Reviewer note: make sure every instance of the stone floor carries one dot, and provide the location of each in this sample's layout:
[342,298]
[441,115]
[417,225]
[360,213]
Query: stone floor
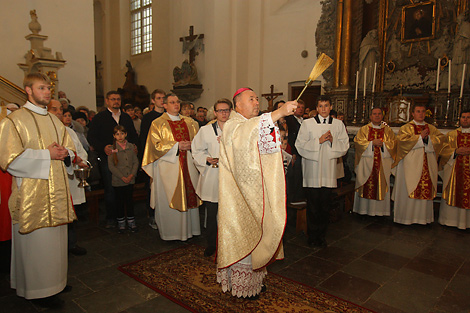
[369,261]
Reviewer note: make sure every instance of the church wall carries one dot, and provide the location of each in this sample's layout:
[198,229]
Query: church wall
[246,43]
[69,26]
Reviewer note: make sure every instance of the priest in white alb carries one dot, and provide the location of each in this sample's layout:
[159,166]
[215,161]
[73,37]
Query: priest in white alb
[168,161]
[415,168]
[252,196]
[38,152]
[375,145]
[455,165]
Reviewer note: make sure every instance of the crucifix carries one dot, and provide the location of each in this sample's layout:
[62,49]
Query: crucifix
[191,44]
[270,97]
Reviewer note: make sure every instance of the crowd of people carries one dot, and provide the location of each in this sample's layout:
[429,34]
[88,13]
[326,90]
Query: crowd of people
[240,165]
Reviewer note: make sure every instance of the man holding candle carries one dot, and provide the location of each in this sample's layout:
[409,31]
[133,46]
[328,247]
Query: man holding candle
[321,141]
[455,163]
[415,168]
[375,145]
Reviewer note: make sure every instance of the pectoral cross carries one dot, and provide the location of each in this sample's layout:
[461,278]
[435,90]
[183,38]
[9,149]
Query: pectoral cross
[270,97]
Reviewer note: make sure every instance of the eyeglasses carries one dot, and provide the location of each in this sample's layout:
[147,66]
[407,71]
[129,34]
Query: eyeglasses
[223,111]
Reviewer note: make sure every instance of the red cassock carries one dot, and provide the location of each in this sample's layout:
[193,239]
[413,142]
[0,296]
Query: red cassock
[5,219]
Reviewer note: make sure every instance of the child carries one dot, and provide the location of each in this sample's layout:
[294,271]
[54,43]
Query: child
[123,164]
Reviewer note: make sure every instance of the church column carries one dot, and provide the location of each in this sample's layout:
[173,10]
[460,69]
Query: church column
[346,43]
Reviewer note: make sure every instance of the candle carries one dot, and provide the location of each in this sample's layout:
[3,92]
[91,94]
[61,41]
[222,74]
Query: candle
[450,75]
[438,72]
[357,84]
[365,81]
[463,80]
[375,73]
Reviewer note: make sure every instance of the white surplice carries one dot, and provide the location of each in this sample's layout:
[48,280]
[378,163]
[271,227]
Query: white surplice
[78,193]
[172,224]
[206,145]
[319,163]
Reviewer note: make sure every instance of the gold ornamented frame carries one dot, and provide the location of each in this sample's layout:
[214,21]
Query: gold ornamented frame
[418,22]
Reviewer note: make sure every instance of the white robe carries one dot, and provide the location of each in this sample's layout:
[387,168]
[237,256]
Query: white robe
[78,193]
[172,224]
[369,206]
[409,211]
[38,259]
[206,145]
[319,163]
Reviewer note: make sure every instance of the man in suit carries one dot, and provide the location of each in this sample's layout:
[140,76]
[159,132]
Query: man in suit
[100,137]
[294,172]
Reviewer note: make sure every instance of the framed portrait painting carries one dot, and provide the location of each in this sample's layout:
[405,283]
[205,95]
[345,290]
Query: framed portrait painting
[418,21]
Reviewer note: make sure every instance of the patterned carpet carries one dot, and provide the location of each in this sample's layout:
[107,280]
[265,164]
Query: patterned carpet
[188,278]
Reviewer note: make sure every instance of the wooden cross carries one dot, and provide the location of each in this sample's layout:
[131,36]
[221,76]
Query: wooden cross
[270,97]
[191,38]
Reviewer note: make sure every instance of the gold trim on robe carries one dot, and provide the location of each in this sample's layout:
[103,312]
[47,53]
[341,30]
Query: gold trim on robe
[160,140]
[407,139]
[37,203]
[377,181]
[456,190]
[252,197]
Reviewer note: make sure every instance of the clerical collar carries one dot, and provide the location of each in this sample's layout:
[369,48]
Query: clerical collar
[375,126]
[174,117]
[465,130]
[419,123]
[35,108]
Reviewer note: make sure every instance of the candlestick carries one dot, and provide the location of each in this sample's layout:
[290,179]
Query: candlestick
[355,111]
[365,80]
[436,101]
[357,84]
[446,121]
[375,73]
[363,119]
[450,75]
[463,80]
[457,124]
[438,72]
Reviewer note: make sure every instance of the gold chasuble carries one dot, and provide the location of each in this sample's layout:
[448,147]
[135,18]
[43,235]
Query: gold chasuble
[252,197]
[37,203]
[376,185]
[424,186]
[456,191]
[163,135]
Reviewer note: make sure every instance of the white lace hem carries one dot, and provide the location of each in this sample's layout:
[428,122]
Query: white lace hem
[241,279]
[269,136]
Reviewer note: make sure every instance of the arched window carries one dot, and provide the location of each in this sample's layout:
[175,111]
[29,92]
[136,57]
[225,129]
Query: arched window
[141,26]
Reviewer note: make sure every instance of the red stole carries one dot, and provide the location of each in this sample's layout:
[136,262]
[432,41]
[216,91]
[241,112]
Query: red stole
[424,189]
[369,190]
[181,133]
[462,169]
[5,219]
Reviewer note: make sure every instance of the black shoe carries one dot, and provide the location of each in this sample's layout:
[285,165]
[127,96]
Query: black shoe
[77,250]
[316,243]
[52,302]
[67,288]
[324,243]
[263,288]
[255,297]
[209,251]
